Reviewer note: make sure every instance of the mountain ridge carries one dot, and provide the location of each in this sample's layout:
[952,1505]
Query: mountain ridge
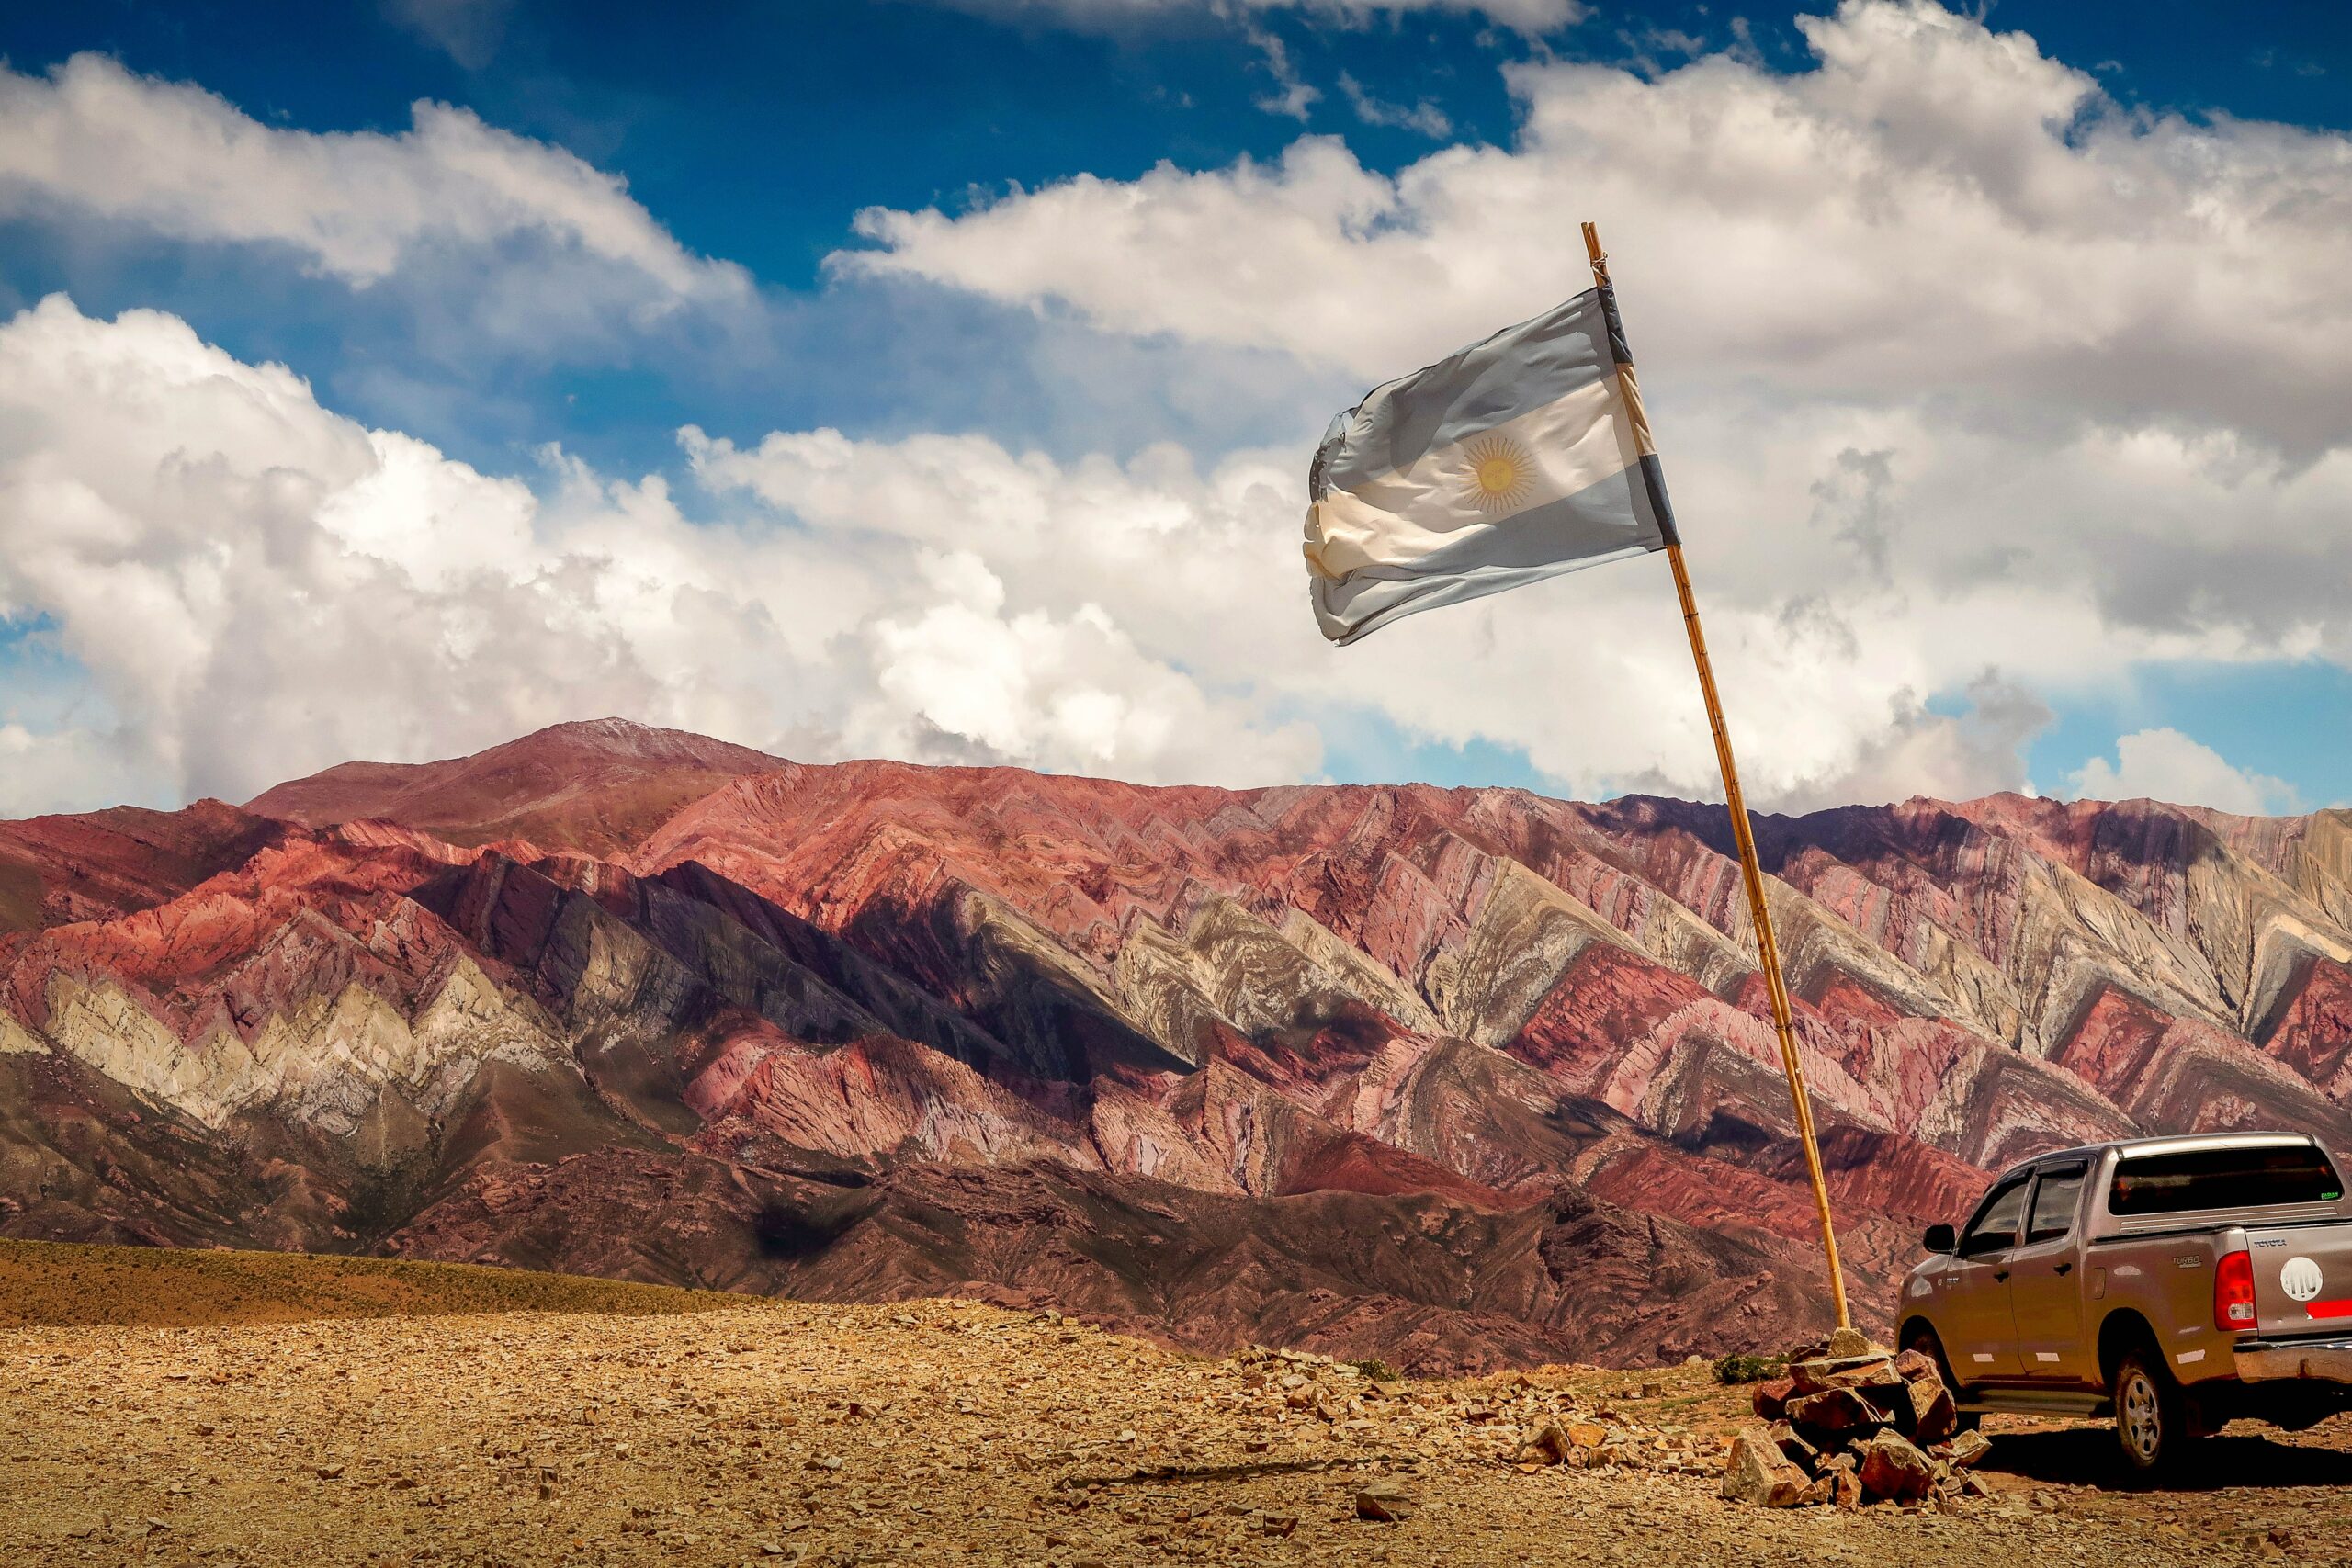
[620,1000]
[615,775]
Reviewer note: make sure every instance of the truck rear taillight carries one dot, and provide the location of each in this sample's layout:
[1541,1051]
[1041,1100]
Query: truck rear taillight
[2234,1292]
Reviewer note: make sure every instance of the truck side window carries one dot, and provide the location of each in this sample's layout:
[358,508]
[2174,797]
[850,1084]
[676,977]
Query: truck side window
[1998,1220]
[2056,1198]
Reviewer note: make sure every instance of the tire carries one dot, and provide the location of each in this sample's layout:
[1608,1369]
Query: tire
[2151,1417]
[1923,1339]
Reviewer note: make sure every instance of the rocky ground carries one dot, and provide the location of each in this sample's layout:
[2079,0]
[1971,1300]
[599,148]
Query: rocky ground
[950,1432]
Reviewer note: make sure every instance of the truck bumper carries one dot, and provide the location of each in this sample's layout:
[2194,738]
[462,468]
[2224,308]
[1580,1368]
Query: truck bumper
[2327,1360]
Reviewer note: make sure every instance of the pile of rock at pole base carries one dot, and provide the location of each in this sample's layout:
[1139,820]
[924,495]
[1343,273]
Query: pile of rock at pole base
[1854,1423]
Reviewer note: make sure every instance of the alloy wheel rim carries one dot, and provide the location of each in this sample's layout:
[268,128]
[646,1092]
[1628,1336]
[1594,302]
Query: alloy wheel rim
[2142,1428]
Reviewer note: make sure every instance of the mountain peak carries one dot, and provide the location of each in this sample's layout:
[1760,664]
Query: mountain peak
[621,731]
[612,736]
[598,785]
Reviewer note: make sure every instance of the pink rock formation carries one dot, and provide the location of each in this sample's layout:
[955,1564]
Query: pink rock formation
[1451,1077]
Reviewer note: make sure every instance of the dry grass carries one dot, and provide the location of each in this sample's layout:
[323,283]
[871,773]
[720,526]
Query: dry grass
[58,1284]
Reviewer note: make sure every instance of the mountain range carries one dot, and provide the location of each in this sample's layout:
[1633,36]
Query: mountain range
[1456,1077]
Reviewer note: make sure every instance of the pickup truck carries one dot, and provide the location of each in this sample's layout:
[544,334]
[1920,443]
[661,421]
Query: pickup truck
[2172,1284]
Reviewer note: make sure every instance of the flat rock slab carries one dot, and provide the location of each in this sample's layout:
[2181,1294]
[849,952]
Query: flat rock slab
[1843,1371]
[1759,1474]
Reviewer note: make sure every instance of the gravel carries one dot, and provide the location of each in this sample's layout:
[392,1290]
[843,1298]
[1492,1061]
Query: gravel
[950,1432]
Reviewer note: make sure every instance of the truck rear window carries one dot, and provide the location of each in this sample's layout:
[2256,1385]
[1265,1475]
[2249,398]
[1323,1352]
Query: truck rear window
[2223,1179]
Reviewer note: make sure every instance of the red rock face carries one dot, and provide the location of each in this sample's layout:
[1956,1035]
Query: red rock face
[59,869]
[597,785]
[1458,1078]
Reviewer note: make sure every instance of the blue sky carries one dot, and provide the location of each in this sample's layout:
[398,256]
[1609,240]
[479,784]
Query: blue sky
[753,136]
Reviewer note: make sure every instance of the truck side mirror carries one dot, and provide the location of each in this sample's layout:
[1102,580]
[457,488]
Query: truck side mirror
[1941,1238]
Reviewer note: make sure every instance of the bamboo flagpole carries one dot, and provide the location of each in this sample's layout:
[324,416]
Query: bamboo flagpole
[1431,491]
[1768,951]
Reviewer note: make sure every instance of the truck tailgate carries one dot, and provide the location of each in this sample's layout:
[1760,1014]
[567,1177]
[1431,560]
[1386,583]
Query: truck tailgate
[2302,1277]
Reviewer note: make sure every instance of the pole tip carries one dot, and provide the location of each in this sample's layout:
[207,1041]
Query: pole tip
[1593,252]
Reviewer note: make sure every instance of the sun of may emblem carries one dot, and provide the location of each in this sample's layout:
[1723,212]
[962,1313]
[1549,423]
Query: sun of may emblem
[1502,473]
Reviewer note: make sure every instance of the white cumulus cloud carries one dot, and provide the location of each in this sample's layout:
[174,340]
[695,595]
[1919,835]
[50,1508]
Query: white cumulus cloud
[1965,377]
[1933,208]
[2164,765]
[256,587]
[90,137]
[1591,675]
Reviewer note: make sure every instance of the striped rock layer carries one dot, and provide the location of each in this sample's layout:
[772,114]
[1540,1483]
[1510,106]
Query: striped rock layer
[1455,1078]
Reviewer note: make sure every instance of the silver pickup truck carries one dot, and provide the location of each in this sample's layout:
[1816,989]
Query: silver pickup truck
[2173,1284]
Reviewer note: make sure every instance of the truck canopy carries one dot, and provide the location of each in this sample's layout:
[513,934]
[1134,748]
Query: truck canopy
[2159,1179]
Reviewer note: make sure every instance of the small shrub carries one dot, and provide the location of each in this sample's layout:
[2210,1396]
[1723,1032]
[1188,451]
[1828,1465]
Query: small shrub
[1748,1369]
[1376,1369]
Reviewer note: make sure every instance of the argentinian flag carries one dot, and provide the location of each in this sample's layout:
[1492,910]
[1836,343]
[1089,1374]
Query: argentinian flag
[1520,458]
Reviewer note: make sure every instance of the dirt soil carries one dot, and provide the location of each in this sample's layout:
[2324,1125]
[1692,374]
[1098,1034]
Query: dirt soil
[462,1425]
[51,1283]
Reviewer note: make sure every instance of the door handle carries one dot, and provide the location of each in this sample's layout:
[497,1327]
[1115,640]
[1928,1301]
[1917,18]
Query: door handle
[2000,1274]
[2064,1268]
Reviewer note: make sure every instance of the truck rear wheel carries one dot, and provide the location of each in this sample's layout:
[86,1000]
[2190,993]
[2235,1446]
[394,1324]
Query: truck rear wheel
[2151,1418]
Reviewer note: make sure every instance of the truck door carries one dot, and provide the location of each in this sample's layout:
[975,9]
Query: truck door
[2045,1281]
[1972,1312]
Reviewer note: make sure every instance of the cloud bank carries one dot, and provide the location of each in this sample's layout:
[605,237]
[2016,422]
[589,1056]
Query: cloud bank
[92,140]
[1960,370]
[259,587]
[1934,209]
[1971,387]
